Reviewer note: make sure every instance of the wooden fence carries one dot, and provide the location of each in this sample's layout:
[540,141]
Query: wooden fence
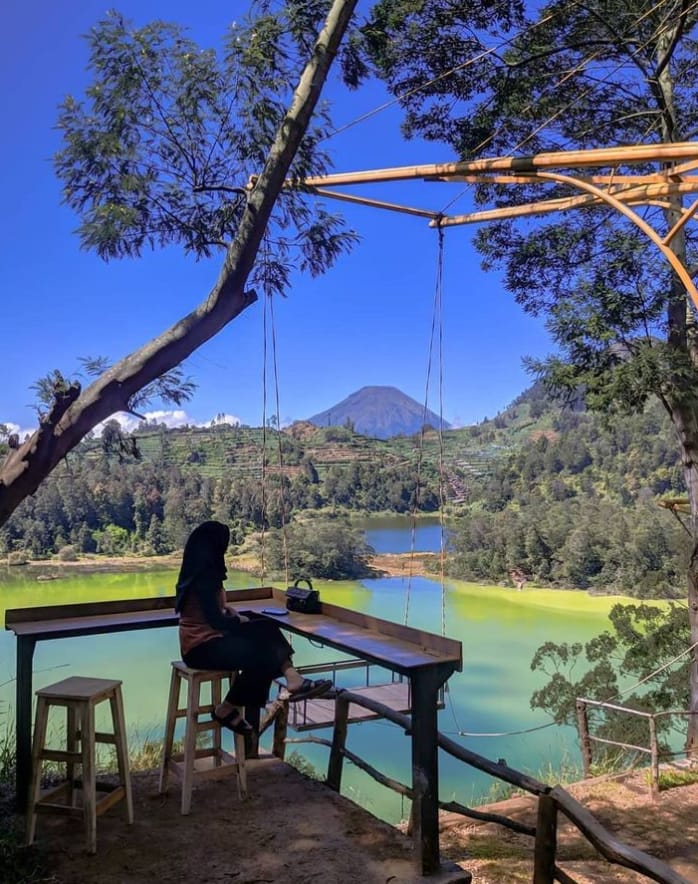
[587,739]
[552,800]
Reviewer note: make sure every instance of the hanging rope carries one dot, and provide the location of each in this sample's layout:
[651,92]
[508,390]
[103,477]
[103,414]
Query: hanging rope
[264,434]
[436,323]
[269,332]
[438,307]
[282,490]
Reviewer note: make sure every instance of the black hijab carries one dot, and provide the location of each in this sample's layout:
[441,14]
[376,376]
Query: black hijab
[203,561]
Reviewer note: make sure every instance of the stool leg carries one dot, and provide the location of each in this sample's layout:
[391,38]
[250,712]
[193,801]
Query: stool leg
[40,725]
[89,774]
[71,746]
[240,760]
[171,720]
[216,732]
[119,721]
[190,733]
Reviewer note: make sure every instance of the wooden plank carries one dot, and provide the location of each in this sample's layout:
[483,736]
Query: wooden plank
[403,647]
[81,610]
[320,711]
[399,648]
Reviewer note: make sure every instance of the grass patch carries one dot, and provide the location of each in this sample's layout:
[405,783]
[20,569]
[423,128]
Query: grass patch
[672,779]
[295,759]
[18,864]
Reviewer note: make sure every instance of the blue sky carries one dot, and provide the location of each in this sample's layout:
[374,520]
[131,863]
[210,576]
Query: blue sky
[367,322]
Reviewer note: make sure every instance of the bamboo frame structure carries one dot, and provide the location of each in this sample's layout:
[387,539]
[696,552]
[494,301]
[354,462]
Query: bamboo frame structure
[619,189]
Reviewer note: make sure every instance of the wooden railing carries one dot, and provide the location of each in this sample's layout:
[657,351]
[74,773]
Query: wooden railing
[552,800]
[586,738]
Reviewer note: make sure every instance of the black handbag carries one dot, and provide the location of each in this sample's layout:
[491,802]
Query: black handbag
[303,601]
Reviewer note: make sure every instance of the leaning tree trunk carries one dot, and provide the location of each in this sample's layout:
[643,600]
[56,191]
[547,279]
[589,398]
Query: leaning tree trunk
[75,413]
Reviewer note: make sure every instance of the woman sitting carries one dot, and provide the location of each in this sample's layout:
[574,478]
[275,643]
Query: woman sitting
[212,635]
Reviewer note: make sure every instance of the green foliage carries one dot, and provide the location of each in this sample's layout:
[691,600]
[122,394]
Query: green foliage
[672,779]
[162,147]
[575,505]
[320,548]
[302,765]
[555,77]
[642,639]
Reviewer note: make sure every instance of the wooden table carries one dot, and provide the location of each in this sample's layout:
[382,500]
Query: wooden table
[425,658]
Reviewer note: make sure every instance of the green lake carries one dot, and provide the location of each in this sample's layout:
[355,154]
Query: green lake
[489,701]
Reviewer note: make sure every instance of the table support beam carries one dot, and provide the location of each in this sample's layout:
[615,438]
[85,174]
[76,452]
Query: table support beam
[23,694]
[425,766]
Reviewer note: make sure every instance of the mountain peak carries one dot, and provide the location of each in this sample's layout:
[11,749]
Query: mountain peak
[380,412]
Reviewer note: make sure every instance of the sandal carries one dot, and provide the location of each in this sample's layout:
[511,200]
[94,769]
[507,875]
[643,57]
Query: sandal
[310,689]
[234,722]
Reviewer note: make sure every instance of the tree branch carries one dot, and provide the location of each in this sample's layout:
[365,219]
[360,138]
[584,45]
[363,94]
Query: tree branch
[28,465]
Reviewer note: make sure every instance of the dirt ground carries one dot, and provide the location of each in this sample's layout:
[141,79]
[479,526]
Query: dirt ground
[666,828]
[294,830]
[288,829]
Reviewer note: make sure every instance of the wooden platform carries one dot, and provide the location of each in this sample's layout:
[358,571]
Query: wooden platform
[319,712]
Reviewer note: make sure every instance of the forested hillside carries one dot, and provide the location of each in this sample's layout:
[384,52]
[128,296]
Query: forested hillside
[562,496]
[575,503]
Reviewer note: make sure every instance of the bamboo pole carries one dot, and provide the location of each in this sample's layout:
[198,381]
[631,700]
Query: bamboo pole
[602,156]
[374,204]
[639,222]
[641,195]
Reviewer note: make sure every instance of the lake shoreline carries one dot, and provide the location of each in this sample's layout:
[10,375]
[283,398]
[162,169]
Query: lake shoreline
[384,565]
[403,565]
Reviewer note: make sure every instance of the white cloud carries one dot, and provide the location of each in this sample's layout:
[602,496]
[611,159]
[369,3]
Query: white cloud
[176,418]
[129,422]
[22,432]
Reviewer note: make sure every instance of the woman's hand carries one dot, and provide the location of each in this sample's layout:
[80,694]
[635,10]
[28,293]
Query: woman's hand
[230,611]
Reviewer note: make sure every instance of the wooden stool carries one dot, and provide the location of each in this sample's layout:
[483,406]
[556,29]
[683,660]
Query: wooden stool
[79,696]
[193,765]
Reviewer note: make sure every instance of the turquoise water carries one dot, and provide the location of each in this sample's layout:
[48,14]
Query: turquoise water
[500,630]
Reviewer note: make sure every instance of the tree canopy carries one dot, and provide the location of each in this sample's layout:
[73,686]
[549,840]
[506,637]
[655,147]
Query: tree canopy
[159,153]
[518,79]
[161,149]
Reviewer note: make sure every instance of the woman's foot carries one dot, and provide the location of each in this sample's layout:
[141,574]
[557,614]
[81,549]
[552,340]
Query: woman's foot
[234,722]
[308,689]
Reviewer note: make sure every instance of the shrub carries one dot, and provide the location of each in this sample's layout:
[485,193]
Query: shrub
[68,553]
[19,557]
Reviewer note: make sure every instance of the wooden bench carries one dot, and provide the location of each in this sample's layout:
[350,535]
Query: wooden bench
[425,658]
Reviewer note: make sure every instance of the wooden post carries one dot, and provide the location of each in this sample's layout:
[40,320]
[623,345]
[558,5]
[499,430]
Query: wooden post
[546,841]
[23,735]
[425,769]
[252,714]
[654,759]
[584,739]
[280,730]
[339,739]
